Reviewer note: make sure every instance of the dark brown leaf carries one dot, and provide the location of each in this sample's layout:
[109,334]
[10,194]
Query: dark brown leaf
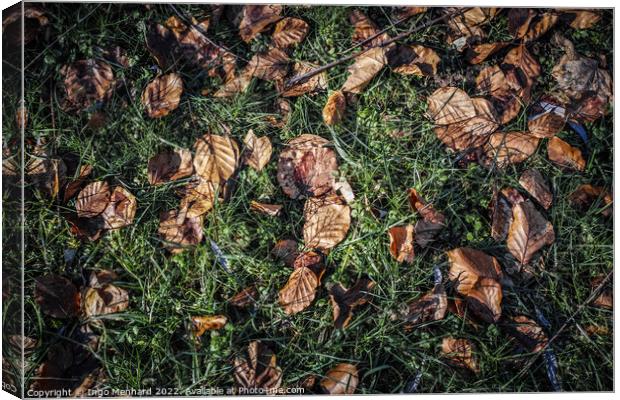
[413,60]
[93,199]
[401,243]
[257,18]
[585,196]
[87,82]
[535,184]
[169,166]
[501,211]
[179,231]
[432,306]
[364,29]
[258,369]
[460,353]
[289,32]
[341,379]
[286,250]
[57,296]
[344,301]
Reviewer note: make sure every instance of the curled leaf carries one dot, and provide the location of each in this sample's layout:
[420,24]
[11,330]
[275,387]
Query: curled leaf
[341,379]
[169,166]
[75,185]
[47,174]
[501,211]
[480,52]
[528,233]
[179,231]
[334,109]
[162,95]
[484,300]
[121,209]
[460,353]
[565,155]
[258,369]
[344,301]
[87,82]
[401,243]
[199,198]
[268,209]
[203,323]
[521,70]
[327,222]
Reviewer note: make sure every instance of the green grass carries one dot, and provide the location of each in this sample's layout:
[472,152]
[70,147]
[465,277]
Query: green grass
[148,345]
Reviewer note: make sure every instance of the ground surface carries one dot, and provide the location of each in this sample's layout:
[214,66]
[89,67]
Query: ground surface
[147,345]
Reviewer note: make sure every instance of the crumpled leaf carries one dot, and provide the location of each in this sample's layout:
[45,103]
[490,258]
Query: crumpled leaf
[203,323]
[586,195]
[341,379]
[533,181]
[460,353]
[93,199]
[432,220]
[334,109]
[527,332]
[327,221]
[289,32]
[363,29]
[501,211]
[121,209]
[540,25]
[504,148]
[310,85]
[565,155]
[344,301]
[215,157]
[257,18]
[258,369]
[258,150]
[169,165]
[57,296]
[269,65]
[480,52]
[450,105]
[75,185]
[521,71]
[306,167]
[179,231]
[299,291]
[104,299]
[528,233]
[268,209]
[401,243]
[413,60]
[87,82]
[546,125]
[162,95]
[366,66]
[473,132]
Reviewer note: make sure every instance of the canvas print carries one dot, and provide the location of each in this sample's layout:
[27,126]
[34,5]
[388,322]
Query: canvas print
[233,199]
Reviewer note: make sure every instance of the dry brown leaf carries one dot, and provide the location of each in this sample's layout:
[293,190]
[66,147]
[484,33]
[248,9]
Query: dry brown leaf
[541,25]
[366,66]
[215,157]
[492,81]
[257,18]
[468,265]
[364,29]
[268,209]
[47,174]
[299,291]
[527,332]
[535,184]
[528,233]
[401,243]
[450,105]
[235,85]
[311,85]
[162,95]
[22,23]
[341,379]
[521,70]
[169,166]
[432,306]
[484,300]
[480,52]
[504,148]
[244,298]
[108,299]
[460,353]
[258,150]
[519,21]
[179,231]
[21,118]
[413,60]
[586,195]
[199,197]
[121,209]
[327,221]
[473,132]
[289,32]
[582,19]
[93,199]
[282,109]
[501,211]
[87,82]
[286,251]
[344,300]
[401,13]
[203,323]
[605,299]
[307,167]
[432,223]
[334,109]
[546,125]
[565,155]
[269,65]
[57,296]
[75,185]
[258,369]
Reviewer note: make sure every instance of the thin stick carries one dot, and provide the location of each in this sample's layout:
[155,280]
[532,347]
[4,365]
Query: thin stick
[310,74]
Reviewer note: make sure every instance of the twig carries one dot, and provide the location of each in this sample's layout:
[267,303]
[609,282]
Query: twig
[310,74]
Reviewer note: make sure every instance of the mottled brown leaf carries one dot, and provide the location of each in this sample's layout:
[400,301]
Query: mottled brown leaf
[528,233]
[521,70]
[460,353]
[245,297]
[401,243]
[257,18]
[289,32]
[413,60]
[327,221]
[75,185]
[199,197]
[169,165]
[480,52]
[269,65]
[472,132]
[501,211]
[363,29]
[432,306]
[108,299]
[504,148]
[93,199]
[540,25]
[310,85]
[450,105]
[546,125]
[527,332]
[258,150]
[582,19]
[121,209]
[258,369]
[344,300]
[286,250]
[533,181]
[179,231]
[162,95]
[366,66]
[264,208]
[87,82]
[587,195]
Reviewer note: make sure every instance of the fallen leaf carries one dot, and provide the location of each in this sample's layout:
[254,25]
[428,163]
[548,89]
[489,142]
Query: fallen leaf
[299,291]
[269,65]
[344,301]
[46,173]
[179,231]
[235,85]
[473,132]
[341,379]
[366,66]
[85,228]
[57,296]
[93,199]
[480,52]
[540,25]
[468,265]
[327,222]
[413,60]
[21,24]
[257,18]
[162,95]
[203,323]
[533,181]
[169,165]
[546,125]
[21,118]
[244,298]
[528,233]
[75,185]
[492,81]
[504,148]
[586,195]
[432,306]
[450,105]
[334,109]
[258,369]
[605,299]
[121,209]
[310,85]
[258,150]
[484,300]
[87,82]
[565,155]
[401,243]
[401,13]
[282,110]
[527,332]
[215,157]
[109,299]
[306,167]
[460,353]
[581,19]
[363,29]
[521,70]
[286,250]
[289,32]
[519,21]
[199,198]
[501,211]
[272,210]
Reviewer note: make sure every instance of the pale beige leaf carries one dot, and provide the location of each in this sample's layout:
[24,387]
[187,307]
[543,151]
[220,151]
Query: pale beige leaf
[504,148]
[327,222]
[258,150]
[216,157]
[449,105]
[366,66]
[529,232]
